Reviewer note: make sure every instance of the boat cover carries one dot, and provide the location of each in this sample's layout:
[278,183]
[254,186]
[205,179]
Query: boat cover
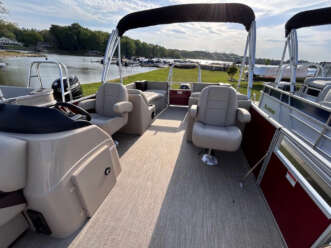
[309,18]
[218,12]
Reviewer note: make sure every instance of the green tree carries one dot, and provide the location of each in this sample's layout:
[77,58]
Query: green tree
[232,70]
[31,37]
[8,30]
[128,47]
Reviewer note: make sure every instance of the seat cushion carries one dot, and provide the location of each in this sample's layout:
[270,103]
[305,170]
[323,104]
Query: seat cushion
[216,137]
[195,94]
[152,95]
[160,92]
[109,124]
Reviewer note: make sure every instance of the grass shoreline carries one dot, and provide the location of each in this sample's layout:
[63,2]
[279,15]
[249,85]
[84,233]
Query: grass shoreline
[8,54]
[181,75]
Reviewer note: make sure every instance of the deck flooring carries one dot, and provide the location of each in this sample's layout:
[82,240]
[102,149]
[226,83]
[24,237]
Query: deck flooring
[165,197]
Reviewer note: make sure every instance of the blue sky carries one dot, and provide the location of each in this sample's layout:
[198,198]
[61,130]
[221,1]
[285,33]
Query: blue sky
[314,43]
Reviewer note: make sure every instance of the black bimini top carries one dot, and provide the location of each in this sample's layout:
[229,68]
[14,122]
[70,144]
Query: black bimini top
[309,18]
[219,12]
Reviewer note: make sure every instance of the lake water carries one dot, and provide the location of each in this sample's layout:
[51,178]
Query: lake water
[87,69]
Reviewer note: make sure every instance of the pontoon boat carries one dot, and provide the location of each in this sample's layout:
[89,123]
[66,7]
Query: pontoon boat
[64,183]
[305,110]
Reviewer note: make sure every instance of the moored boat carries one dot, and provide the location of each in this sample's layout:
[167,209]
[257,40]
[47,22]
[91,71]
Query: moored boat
[304,109]
[154,189]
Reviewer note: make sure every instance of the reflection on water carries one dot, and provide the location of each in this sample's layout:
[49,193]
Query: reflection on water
[88,70]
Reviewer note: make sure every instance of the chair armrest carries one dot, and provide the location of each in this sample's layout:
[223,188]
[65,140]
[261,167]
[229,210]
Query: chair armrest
[123,107]
[87,104]
[194,111]
[243,115]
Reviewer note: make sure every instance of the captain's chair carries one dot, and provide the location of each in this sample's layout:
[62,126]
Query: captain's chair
[111,107]
[215,121]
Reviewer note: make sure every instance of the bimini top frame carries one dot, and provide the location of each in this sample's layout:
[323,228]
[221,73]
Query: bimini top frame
[303,19]
[222,12]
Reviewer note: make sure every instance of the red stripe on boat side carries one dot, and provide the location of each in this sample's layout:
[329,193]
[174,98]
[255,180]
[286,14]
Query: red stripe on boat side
[299,218]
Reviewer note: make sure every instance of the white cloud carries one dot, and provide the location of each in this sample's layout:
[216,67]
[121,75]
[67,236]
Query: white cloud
[104,14]
[106,10]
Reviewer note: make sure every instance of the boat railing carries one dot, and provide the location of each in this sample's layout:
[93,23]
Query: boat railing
[294,179]
[311,170]
[63,73]
[171,73]
[308,120]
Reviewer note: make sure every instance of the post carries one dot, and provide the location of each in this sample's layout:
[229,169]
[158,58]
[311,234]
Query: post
[61,83]
[243,62]
[120,60]
[252,46]
[293,58]
[280,70]
[170,74]
[199,73]
[111,47]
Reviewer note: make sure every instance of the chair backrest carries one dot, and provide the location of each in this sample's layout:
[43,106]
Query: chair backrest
[136,92]
[108,94]
[197,87]
[151,85]
[218,106]
[324,94]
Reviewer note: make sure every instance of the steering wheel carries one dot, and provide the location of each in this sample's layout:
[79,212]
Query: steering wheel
[71,109]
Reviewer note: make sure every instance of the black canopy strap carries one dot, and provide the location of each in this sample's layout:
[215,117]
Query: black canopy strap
[309,18]
[219,12]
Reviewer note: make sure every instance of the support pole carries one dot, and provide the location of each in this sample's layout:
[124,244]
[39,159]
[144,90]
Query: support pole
[199,73]
[243,62]
[111,47]
[170,74]
[280,69]
[120,60]
[252,46]
[293,58]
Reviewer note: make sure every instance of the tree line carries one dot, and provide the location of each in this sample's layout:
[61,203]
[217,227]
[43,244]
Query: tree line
[77,39]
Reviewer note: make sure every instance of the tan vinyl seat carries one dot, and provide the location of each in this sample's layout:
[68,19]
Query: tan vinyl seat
[215,119]
[13,173]
[142,114]
[111,107]
[152,96]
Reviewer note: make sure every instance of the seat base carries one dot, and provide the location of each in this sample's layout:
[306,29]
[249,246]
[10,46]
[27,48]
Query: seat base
[209,160]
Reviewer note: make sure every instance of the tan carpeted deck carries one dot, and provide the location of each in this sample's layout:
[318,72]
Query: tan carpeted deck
[165,197]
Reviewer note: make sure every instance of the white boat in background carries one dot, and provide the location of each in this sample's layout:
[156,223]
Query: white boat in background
[304,109]
[271,71]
